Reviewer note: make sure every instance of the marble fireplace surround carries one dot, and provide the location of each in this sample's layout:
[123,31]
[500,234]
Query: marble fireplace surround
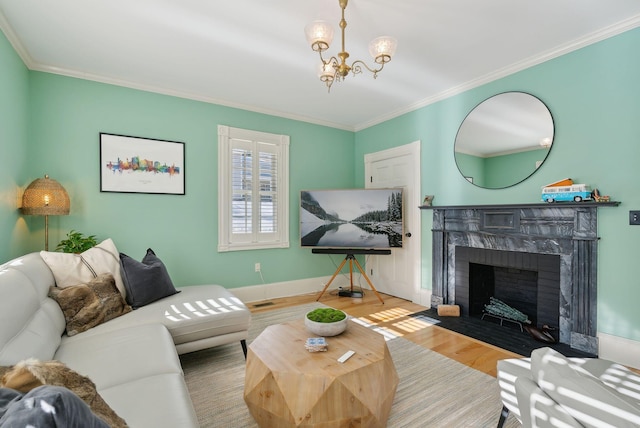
[568,230]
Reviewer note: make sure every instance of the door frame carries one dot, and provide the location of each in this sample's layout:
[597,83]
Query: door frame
[410,207]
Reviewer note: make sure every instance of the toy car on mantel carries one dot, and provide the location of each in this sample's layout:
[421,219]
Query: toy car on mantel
[573,192]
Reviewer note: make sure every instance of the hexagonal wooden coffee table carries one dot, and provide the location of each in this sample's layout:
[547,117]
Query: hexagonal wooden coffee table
[288,386]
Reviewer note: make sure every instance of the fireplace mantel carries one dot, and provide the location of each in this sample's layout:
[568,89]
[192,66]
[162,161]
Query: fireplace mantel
[565,229]
[586,204]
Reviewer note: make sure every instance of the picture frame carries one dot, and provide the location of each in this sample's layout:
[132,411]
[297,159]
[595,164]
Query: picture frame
[141,165]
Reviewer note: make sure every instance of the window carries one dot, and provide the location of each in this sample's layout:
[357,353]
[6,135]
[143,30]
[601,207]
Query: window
[253,189]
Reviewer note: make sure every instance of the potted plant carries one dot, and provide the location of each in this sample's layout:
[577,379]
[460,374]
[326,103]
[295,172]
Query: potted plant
[326,321]
[76,243]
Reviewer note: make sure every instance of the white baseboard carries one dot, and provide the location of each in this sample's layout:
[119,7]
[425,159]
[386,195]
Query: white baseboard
[424,298]
[254,293]
[618,349]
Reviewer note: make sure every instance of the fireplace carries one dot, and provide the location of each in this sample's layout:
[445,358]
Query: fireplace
[543,256]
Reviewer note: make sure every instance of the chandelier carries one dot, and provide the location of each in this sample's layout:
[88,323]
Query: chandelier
[320,34]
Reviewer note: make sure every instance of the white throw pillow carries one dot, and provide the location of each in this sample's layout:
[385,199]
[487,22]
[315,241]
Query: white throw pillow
[73,269]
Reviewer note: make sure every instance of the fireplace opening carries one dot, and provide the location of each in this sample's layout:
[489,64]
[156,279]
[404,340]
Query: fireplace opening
[528,282]
[517,288]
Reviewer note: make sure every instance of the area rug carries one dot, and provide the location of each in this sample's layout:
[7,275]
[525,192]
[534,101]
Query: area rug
[434,391]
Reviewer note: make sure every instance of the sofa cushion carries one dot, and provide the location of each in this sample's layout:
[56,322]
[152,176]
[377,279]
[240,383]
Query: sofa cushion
[118,356]
[169,405]
[199,317]
[72,269]
[88,305]
[31,323]
[582,395]
[145,281]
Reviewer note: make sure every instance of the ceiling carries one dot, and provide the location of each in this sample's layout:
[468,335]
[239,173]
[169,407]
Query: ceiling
[253,54]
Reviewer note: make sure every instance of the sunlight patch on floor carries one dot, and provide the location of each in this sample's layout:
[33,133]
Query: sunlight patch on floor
[398,328]
[411,325]
[390,314]
[383,316]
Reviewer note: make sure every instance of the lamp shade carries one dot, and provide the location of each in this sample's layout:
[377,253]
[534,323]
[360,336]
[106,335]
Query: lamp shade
[383,48]
[45,196]
[326,72]
[319,35]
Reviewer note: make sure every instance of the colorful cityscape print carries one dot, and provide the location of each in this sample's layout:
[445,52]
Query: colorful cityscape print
[143,165]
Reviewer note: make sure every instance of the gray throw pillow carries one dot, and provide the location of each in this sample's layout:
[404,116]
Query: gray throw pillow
[145,281]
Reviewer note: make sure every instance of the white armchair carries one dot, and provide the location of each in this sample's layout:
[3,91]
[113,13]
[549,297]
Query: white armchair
[551,390]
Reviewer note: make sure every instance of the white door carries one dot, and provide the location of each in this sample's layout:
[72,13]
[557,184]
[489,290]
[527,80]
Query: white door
[399,273]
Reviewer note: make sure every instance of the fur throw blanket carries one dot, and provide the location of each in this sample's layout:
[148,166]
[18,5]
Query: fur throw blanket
[31,373]
[88,305]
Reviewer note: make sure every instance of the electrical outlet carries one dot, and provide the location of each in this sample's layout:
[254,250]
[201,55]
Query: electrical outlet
[258,267]
[634,218]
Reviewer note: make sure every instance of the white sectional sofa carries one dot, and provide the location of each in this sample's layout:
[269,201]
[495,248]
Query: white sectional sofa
[132,359]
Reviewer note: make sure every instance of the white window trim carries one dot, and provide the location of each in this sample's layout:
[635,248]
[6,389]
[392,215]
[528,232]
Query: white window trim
[281,239]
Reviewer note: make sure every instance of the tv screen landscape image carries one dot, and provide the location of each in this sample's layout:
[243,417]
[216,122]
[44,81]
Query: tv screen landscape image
[351,218]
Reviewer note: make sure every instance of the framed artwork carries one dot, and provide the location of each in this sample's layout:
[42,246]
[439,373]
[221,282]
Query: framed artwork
[141,165]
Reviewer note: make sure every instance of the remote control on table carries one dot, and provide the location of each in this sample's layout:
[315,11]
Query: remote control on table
[346,356]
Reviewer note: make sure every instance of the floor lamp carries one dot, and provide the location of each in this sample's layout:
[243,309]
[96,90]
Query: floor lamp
[45,196]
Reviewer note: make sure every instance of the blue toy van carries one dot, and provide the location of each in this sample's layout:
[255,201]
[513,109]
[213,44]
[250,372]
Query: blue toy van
[574,192]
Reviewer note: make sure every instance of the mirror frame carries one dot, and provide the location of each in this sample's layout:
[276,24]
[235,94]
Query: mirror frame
[542,109]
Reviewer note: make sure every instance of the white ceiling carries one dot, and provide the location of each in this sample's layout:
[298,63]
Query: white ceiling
[253,54]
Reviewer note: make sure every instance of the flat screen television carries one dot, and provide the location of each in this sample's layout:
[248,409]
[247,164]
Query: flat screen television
[351,218]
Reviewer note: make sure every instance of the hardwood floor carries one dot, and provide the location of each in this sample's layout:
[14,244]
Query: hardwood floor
[392,316]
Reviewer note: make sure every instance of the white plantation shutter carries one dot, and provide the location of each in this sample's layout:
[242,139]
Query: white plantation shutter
[252,189]
[268,170]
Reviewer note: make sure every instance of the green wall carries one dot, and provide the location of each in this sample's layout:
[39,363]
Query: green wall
[14,93]
[68,114]
[594,97]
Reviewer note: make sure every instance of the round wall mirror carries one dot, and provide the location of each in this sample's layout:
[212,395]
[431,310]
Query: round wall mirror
[504,140]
